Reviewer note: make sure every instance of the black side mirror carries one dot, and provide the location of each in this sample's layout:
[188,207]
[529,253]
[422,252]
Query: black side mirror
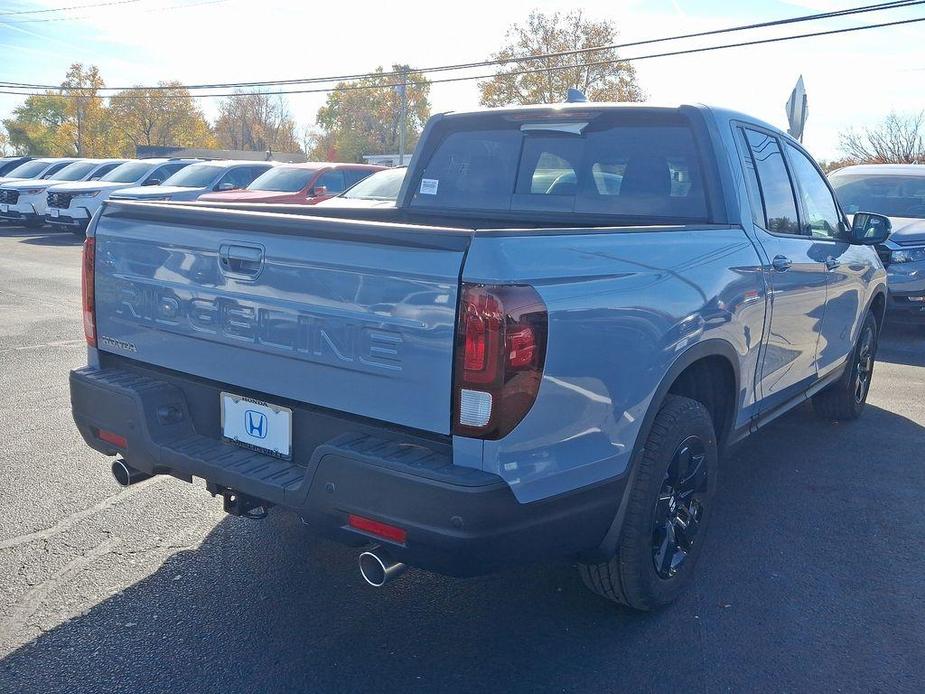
[869,229]
[153,182]
[318,191]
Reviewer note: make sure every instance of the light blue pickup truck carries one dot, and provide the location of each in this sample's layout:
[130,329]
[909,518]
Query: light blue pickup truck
[540,352]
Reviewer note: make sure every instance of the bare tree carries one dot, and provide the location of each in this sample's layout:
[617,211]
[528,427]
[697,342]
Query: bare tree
[256,121]
[899,139]
[598,72]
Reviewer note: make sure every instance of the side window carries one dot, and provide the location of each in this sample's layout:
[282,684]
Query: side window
[332,180]
[256,171]
[822,216]
[161,173]
[239,177]
[356,175]
[54,168]
[779,203]
[751,181]
[169,170]
[103,170]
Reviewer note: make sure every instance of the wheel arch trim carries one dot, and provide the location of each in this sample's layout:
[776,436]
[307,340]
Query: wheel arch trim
[706,348]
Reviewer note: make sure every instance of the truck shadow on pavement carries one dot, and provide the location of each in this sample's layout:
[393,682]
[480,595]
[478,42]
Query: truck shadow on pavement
[807,580]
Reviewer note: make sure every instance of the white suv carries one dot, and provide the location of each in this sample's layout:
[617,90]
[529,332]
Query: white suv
[72,205]
[23,201]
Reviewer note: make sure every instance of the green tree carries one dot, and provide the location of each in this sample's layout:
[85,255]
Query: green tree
[37,126]
[363,116]
[160,117]
[598,73]
[88,124]
[256,121]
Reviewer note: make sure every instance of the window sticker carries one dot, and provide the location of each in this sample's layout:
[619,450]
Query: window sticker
[429,186]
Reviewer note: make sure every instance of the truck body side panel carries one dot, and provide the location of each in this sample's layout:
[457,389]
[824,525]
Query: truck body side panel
[623,306]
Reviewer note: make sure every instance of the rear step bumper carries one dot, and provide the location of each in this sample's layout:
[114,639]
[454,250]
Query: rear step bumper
[459,521]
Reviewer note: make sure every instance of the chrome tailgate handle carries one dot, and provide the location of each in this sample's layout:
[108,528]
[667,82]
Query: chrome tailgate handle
[240,261]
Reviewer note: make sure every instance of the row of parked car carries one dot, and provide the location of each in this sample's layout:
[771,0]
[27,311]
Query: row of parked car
[65,192]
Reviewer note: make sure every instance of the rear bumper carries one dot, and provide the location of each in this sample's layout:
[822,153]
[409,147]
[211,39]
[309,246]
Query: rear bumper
[459,521]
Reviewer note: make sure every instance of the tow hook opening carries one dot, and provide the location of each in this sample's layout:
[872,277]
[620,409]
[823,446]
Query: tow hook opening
[238,504]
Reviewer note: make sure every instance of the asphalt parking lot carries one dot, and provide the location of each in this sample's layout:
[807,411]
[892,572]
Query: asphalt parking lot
[813,577]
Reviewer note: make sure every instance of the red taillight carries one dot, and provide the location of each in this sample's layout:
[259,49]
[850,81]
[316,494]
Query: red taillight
[481,327]
[387,532]
[113,438]
[87,279]
[500,353]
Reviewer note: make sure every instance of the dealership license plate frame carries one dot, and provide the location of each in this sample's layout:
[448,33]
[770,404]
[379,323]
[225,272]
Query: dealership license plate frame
[234,411]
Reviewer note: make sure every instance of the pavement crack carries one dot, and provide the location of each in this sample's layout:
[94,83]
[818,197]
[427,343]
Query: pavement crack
[70,521]
[19,616]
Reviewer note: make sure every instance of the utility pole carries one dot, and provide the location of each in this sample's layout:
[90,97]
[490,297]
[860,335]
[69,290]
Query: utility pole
[402,114]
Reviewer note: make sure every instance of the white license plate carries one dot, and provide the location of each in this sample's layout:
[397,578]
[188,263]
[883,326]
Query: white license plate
[4,208]
[54,212]
[258,425]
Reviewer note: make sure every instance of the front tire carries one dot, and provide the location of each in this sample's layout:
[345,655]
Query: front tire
[667,511]
[845,399]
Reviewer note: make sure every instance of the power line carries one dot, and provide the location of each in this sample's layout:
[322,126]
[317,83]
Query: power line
[896,4]
[123,2]
[688,51]
[68,9]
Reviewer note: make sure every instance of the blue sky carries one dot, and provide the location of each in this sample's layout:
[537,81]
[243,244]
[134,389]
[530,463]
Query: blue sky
[852,79]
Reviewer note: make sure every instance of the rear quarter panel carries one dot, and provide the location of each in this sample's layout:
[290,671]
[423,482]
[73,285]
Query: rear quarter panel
[623,305]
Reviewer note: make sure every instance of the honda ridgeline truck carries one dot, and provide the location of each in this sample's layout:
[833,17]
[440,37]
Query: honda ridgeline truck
[539,352]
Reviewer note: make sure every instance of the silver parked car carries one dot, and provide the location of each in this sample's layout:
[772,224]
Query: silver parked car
[897,191]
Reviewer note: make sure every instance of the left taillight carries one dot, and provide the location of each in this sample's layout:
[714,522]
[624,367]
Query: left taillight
[500,355]
[87,284]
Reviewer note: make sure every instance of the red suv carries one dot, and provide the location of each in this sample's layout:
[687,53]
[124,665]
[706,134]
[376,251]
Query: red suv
[298,184]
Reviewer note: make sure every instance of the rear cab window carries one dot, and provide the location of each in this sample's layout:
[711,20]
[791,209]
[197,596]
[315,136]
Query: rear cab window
[640,166]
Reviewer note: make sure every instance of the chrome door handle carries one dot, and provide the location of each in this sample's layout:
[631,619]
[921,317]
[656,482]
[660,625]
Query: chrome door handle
[831,263]
[781,263]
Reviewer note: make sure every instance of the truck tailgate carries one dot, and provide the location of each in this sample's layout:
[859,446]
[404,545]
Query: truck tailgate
[354,316]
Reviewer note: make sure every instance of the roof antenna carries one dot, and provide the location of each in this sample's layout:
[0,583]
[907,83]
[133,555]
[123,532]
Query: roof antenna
[575,96]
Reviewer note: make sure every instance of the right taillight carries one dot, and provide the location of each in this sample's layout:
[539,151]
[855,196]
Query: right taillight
[87,279]
[500,353]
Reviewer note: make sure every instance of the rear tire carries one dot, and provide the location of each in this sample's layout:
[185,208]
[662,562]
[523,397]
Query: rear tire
[845,399]
[667,512]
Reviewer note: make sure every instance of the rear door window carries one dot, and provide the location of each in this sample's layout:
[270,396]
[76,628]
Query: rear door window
[764,161]
[600,167]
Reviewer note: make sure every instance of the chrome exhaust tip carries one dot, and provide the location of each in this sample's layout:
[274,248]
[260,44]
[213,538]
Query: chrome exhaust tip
[126,475]
[378,568]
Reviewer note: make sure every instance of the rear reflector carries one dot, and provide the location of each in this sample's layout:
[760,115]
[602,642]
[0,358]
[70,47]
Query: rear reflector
[87,279]
[113,438]
[383,530]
